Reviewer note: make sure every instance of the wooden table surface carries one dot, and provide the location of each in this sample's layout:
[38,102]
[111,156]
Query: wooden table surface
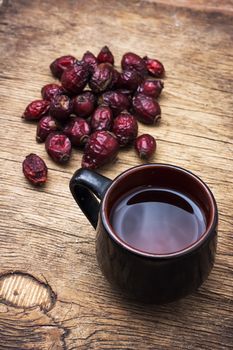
[52,293]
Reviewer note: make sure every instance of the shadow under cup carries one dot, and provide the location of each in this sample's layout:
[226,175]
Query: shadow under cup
[147,276]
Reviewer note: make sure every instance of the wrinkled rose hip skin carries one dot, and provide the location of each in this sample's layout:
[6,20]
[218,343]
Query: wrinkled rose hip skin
[61,107]
[130,79]
[152,88]
[154,67]
[132,61]
[78,131]
[117,101]
[102,119]
[147,109]
[105,56]
[101,148]
[84,104]
[145,146]
[36,110]
[115,79]
[75,78]
[35,169]
[125,92]
[58,146]
[101,80]
[45,126]
[59,65]
[125,128]
[91,61]
[49,91]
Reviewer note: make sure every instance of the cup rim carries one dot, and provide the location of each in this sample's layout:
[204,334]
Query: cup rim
[211,225]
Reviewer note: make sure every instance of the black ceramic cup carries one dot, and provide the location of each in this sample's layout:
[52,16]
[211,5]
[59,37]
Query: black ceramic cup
[153,278]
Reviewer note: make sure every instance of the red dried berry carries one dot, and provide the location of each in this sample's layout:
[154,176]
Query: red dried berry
[75,78]
[78,131]
[132,61]
[101,80]
[117,101]
[36,110]
[125,92]
[59,65]
[101,148]
[115,79]
[61,107]
[152,88]
[130,79]
[102,119]
[125,128]
[147,109]
[91,61]
[145,146]
[84,104]
[154,67]
[35,169]
[105,56]
[49,91]
[45,126]
[58,147]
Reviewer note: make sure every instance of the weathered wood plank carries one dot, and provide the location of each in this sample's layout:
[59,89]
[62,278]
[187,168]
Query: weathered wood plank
[44,234]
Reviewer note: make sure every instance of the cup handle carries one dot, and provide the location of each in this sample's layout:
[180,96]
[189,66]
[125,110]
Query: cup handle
[85,186]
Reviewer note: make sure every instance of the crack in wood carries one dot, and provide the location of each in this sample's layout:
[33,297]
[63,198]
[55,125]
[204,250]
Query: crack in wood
[33,330]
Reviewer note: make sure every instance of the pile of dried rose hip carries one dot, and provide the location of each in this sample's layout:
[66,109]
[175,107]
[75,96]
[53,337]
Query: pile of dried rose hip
[101,119]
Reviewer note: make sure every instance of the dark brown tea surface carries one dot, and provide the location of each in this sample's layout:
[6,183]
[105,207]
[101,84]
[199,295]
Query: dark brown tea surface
[157,220]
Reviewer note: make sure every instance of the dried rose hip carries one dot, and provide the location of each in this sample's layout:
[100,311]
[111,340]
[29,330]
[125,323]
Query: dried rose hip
[125,92]
[61,107]
[101,148]
[59,65]
[58,147]
[115,79]
[36,109]
[125,128]
[117,101]
[132,61]
[152,88]
[70,115]
[84,104]
[147,109]
[105,56]
[130,79]
[45,126]
[154,67]
[75,78]
[102,119]
[91,61]
[145,146]
[101,80]
[35,169]
[78,131]
[49,91]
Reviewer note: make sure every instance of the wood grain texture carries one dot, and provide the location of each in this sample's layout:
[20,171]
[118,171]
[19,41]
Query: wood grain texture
[44,234]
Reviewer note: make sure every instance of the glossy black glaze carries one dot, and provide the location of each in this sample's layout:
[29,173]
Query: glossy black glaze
[148,277]
[154,280]
[82,186]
